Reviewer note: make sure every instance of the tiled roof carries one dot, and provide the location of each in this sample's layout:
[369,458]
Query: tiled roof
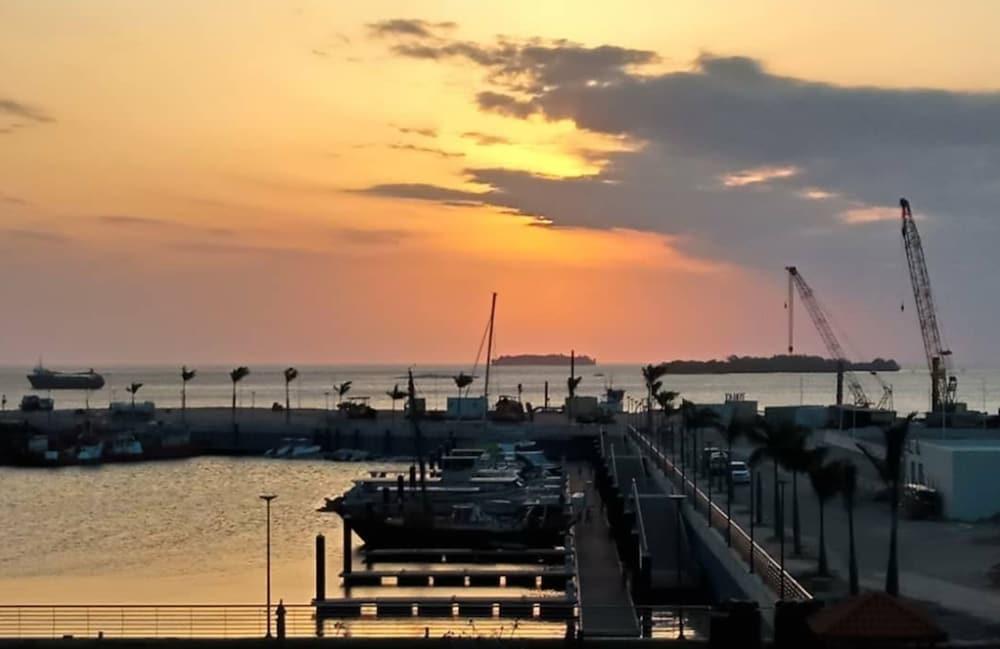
[875,616]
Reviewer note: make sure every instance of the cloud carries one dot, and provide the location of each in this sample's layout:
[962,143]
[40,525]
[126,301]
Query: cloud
[505,104]
[39,236]
[862,215]
[757,176]
[372,237]
[424,132]
[423,192]
[408,27]
[425,149]
[11,199]
[130,220]
[25,111]
[485,139]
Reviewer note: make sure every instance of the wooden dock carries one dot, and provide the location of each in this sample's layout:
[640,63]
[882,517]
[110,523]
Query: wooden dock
[467,555]
[542,577]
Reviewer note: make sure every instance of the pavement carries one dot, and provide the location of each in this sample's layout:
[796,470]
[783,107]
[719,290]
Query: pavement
[942,563]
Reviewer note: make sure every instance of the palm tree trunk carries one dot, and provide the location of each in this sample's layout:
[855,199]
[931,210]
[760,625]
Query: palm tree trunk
[892,573]
[796,526]
[824,569]
[729,497]
[184,400]
[234,400]
[778,533]
[852,553]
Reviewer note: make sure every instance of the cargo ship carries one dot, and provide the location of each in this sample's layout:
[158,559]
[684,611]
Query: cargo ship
[46,379]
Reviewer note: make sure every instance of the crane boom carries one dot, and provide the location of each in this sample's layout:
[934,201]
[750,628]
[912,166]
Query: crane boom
[942,388]
[825,330]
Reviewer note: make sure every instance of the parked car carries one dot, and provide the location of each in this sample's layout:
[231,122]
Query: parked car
[921,502]
[739,473]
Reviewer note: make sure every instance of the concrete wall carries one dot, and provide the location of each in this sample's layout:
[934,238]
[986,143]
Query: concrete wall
[964,472]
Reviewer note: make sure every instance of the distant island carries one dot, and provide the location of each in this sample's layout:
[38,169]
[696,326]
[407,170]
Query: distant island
[542,359]
[779,363]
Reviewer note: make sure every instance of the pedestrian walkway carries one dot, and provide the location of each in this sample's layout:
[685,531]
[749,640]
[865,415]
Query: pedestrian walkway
[606,608]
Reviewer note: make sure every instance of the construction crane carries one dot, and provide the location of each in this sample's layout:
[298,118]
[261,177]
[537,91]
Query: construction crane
[825,329]
[943,387]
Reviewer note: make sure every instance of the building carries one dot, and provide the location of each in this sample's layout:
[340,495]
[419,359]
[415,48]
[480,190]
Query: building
[962,470]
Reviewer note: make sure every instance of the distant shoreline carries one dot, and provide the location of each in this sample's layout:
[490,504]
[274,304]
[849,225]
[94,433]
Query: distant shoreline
[541,360]
[782,363]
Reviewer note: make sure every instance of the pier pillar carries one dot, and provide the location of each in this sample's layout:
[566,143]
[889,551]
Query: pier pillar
[320,567]
[347,546]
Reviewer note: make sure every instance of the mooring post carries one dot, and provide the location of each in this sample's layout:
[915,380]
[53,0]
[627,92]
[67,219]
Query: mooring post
[320,567]
[347,545]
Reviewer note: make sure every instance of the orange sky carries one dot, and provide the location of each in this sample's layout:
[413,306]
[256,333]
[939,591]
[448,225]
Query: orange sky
[178,180]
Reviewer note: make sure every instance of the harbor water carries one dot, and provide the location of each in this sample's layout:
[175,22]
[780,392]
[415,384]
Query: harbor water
[265,385]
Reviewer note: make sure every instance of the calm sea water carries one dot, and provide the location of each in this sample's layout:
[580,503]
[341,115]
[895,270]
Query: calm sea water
[265,385]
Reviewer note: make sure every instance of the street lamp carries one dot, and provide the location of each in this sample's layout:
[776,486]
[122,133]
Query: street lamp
[753,517]
[267,498]
[678,502]
[781,513]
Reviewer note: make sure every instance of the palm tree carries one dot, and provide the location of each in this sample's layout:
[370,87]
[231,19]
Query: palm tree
[290,375]
[237,375]
[826,480]
[651,374]
[132,389]
[571,384]
[797,459]
[462,382]
[736,429]
[848,489]
[341,389]
[665,399]
[696,418]
[890,469]
[395,394]
[186,375]
[772,442]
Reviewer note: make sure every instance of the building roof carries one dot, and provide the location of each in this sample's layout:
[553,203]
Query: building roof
[876,616]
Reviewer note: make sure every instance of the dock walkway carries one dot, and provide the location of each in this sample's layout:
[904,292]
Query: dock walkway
[606,608]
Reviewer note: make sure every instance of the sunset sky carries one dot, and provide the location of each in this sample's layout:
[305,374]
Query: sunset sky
[318,181]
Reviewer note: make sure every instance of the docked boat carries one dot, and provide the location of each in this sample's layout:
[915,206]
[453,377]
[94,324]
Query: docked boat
[466,525]
[42,378]
[90,452]
[295,448]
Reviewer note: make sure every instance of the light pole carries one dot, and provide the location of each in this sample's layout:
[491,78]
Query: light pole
[267,499]
[752,518]
[678,502]
[781,512]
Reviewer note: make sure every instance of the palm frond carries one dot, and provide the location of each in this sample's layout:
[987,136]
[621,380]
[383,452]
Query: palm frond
[291,374]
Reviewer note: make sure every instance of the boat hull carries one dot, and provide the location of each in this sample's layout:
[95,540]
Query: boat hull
[66,381]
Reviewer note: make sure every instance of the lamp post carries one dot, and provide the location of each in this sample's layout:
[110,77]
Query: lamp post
[678,503]
[781,513]
[752,519]
[267,498]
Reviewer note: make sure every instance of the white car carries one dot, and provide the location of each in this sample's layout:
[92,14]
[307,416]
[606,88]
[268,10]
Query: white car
[739,473]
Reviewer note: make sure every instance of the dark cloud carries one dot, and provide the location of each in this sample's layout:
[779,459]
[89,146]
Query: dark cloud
[426,149]
[408,27]
[423,192]
[22,110]
[485,139]
[505,104]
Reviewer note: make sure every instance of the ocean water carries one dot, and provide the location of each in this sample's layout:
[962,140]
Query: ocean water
[314,387]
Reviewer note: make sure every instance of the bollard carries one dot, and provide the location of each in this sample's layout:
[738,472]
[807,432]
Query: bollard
[400,488]
[320,567]
[413,477]
[280,614]
[347,545]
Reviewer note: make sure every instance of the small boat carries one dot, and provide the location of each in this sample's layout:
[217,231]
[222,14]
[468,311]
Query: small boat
[124,448]
[46,379]
[295,448]
[90,453]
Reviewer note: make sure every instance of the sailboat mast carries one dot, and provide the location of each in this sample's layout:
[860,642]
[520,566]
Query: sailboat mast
[489,357]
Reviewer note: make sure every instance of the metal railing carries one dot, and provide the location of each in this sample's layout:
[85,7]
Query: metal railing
[751,552]
[643,542]
[222,621]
